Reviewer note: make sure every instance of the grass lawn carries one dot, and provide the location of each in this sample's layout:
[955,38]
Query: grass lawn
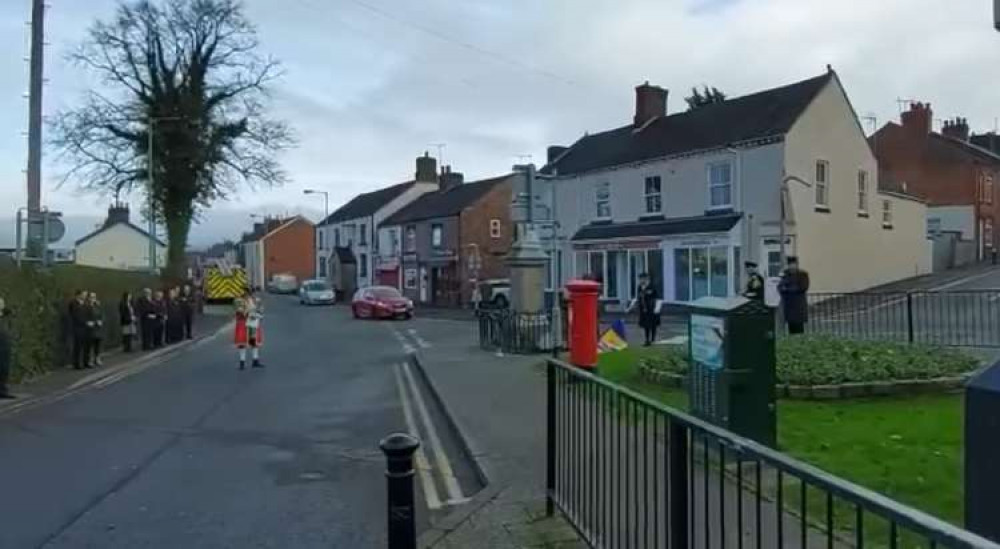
[908,448]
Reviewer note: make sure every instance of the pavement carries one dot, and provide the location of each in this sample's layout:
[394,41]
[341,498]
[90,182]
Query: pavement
[184,450]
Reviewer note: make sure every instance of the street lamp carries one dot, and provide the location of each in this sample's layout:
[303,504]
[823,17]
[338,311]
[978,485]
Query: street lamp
[784,215]
[326,209]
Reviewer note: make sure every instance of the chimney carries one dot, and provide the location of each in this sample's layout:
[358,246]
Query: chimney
[650,103]
[426,168]
[553,152]
[918,119]
[957,129]
[450,179]
[117,213]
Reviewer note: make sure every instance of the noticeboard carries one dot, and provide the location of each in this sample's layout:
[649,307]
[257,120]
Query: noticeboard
[707,361]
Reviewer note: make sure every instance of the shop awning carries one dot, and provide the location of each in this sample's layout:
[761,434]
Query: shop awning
[660,227]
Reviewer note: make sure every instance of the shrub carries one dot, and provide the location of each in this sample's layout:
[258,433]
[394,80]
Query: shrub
[39,327]
[824,360]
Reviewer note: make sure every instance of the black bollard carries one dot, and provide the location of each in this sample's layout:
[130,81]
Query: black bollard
[399,449]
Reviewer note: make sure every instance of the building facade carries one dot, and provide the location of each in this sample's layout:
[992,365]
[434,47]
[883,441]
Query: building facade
[689,197]
[353,227]
[448,240]
[118,244]
[957,174]
[280,247]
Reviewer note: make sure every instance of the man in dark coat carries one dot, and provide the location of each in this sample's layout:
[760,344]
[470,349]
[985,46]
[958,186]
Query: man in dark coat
[146,312]
[794,288]
[755,283]
[5,352]
[649,317]
[188,305]
[175,317]
[79,319]
[159,319]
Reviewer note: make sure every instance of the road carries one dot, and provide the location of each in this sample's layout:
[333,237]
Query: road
[193,453]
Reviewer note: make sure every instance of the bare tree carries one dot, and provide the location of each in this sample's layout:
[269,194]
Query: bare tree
[186,76]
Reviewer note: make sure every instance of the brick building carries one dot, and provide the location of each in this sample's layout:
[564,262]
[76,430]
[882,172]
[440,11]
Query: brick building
[446,239]
[284,246]
[952,172]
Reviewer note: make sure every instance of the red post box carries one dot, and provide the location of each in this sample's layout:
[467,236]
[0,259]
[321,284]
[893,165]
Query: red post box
[583,322]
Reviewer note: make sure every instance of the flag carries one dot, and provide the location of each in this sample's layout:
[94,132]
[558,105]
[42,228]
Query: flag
[619,327]
[611,341]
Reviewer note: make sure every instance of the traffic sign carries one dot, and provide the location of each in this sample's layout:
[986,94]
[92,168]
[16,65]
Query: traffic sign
[36,226]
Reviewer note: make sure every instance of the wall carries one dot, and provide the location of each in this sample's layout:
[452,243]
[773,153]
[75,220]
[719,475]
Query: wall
[845,249]
[290,249]
[420,259]
[475,229]
[961,219]
[119,247]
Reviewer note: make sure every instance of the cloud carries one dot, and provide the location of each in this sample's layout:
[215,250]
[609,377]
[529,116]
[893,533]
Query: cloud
[371,84]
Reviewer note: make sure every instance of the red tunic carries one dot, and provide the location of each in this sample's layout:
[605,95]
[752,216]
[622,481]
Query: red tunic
[241,335]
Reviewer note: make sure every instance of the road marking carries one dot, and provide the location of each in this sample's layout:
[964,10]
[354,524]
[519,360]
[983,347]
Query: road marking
[455,496]
[423,467]
[402,341]
[970,278]
[420,341]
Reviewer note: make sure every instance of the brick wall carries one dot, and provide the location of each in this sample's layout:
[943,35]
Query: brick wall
[291,250]
[475,229]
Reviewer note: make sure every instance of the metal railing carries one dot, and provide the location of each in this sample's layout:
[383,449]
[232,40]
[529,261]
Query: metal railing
[518,333]
[966,318]
[627,471]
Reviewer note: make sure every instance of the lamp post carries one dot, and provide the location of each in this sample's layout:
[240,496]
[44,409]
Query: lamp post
[326,215]
[784,215]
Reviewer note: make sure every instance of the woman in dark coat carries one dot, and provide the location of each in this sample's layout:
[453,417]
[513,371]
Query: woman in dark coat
[128,321]
[175,317]
[794,287]
[649,317]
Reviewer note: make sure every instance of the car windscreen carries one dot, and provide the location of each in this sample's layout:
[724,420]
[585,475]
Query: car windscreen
[386,293]
[317,287]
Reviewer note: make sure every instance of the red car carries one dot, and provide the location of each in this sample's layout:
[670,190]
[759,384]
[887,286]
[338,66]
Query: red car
[381,302]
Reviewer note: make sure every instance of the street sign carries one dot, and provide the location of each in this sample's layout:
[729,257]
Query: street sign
[36,226]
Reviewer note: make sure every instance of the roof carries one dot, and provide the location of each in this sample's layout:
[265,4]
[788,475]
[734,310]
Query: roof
[367,204]
[766,114]
[127,224]
[285,224]
[661,227]
[445,203]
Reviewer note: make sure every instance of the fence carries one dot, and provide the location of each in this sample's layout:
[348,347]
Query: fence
[520,333]
[629,472]
[967,318]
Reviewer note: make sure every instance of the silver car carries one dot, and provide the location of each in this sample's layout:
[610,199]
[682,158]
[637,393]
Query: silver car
[316,292]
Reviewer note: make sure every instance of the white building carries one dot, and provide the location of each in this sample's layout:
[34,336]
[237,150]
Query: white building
[118,244]
[354,226]
[689,197]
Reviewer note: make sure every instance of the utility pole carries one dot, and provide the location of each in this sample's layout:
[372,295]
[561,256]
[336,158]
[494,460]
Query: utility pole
[36,82]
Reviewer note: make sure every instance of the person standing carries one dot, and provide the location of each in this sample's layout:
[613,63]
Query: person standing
[794,288]
[188,305]
[127,321]
[147,316]
[248,331]
[5,352]
[648,302]
[175,317]
[755,283]
[158,319]
[78,319]
[95,332]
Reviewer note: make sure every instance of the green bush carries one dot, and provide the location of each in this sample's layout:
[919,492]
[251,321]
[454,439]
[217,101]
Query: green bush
[824,360]
[39,298]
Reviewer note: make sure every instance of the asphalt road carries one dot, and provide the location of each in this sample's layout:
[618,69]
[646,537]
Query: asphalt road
[193,453]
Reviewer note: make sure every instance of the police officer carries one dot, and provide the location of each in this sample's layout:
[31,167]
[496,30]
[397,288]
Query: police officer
[5,353]
[755,283]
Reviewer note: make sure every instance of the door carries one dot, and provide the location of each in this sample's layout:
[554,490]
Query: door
[423,284]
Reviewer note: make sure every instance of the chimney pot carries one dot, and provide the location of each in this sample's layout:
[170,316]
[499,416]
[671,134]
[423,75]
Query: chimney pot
[426,169]
[917,120]
[450,180]
[956,129]
[650,103]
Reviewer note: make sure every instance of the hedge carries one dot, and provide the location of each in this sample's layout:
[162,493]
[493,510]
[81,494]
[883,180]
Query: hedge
[824,360]
[39,298]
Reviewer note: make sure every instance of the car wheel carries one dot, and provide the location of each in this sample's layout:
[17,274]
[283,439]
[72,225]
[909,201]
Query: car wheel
[408,316]
[501,302]
[354,311]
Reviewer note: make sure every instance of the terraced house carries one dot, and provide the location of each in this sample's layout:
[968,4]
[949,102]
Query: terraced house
[689,196]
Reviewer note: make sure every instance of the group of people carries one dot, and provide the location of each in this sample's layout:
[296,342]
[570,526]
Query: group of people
[155,318]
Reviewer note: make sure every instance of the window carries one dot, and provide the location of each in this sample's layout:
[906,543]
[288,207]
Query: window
[494,228]
[393,241]
[986,188]
[887,213]
[411,239]
[602,196]
[410,279]
[774,265]
[336,237]
[436,231]
[363,267]
[862,191]
[363,235]
[720,185]
[988,232]
[822,183]
[654,198]
[319,243]
[612,260]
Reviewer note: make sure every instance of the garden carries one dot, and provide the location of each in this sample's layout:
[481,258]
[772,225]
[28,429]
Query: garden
[903,440]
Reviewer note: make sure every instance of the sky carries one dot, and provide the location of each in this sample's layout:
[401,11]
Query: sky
[371,84]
